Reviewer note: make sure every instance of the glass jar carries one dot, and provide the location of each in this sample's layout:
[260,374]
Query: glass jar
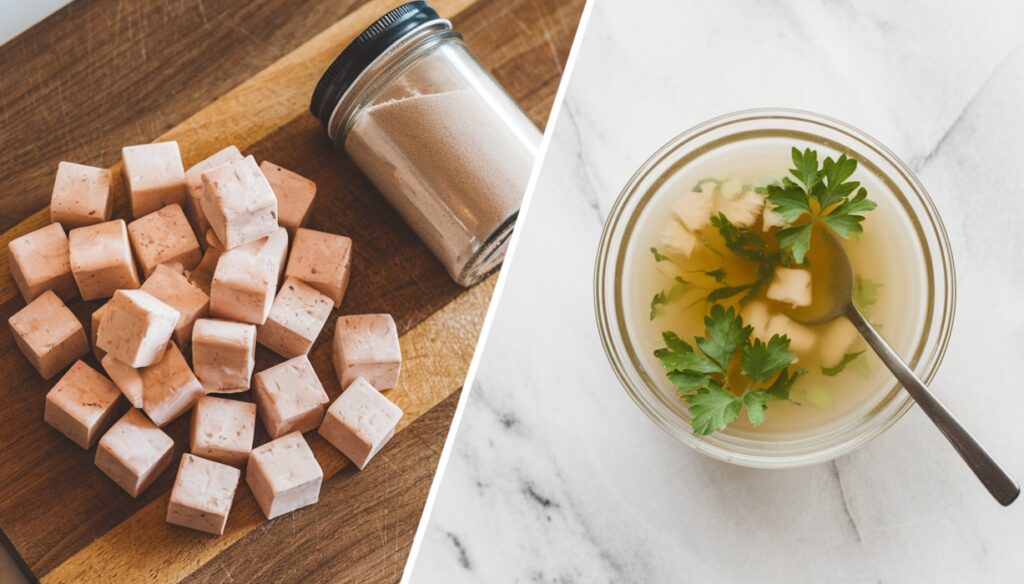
[629,363]
[435,133]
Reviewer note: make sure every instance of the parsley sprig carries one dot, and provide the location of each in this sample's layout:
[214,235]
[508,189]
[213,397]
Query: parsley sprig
[839,367]
[680,287]
[703,378]
[821,193]
[749,245]
[865,293]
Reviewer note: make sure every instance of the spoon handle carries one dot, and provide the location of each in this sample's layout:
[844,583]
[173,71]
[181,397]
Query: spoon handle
[995,479]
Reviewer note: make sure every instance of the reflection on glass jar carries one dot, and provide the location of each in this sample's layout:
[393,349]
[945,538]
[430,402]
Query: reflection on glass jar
[436,134]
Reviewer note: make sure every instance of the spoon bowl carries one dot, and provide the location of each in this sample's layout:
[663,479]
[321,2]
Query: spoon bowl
[835,299]
[833,286]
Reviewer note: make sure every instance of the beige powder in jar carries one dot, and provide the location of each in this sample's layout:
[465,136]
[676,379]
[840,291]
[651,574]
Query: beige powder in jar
[442,153]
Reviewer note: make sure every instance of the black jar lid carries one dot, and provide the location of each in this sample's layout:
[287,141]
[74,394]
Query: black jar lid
[358,55]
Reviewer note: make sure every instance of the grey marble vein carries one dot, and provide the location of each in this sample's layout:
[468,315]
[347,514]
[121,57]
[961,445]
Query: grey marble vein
[923,161]
[834,466]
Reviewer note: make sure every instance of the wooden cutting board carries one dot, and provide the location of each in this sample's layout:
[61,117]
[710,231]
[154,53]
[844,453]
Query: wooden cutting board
[102,74]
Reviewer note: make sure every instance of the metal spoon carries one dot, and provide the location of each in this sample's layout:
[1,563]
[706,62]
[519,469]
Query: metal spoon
[840,293]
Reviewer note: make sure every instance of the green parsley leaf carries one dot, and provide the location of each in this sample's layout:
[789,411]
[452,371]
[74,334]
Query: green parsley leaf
[702,378]
[862,366]
[797,240]
[679,289]
[674,343]
[761,361]
[741,241]
[658,257]
[713,408]
[728,291]
[687,382]
[806,170]
[838,367]
[683,362]
[680,356]
[836,209]
[789,200]
[846,219]
[865,293]
[724,336]
[718,275]
[699,187]
[779,389]
[756,402]
[749,245]
[836,187]
[659,300]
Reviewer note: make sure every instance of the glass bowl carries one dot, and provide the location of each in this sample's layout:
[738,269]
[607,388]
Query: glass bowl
[747,449]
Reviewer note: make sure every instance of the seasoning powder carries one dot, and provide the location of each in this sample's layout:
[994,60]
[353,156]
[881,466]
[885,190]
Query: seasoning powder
[445,157]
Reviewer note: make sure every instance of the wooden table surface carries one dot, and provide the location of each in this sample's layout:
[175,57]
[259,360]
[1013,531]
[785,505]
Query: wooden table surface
[102,74]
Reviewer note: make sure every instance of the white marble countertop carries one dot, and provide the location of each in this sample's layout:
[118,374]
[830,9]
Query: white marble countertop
[556,476]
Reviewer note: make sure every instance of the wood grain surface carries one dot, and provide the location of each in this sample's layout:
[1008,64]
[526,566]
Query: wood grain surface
[99,75]
[367,535]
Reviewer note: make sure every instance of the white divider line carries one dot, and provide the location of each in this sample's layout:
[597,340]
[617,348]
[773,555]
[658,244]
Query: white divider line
[531,185]
[17,16]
